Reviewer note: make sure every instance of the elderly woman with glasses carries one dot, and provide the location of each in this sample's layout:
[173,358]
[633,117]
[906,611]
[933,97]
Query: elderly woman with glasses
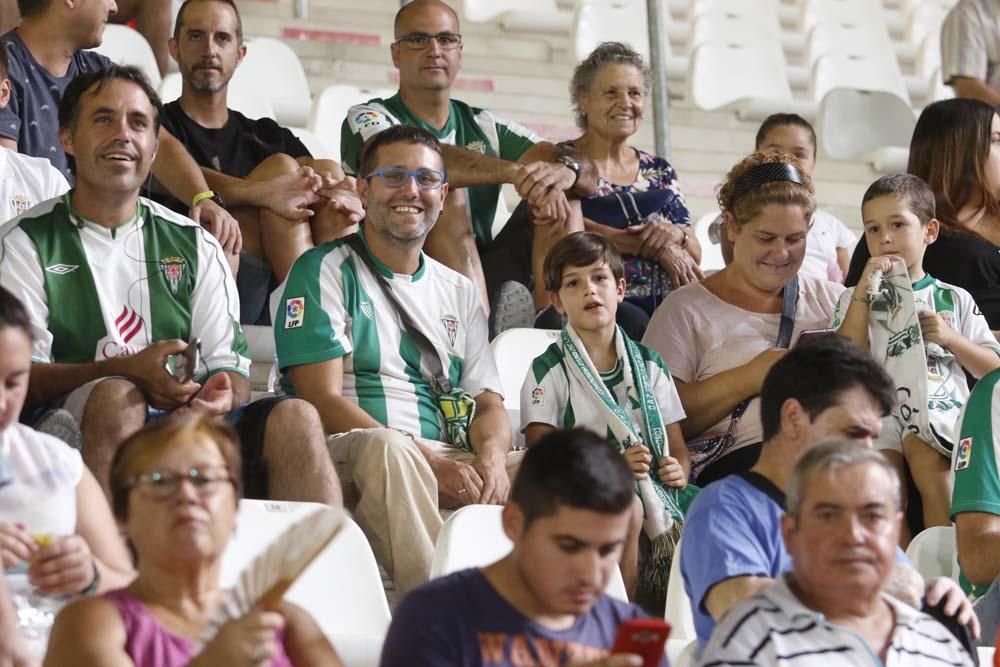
[175,487]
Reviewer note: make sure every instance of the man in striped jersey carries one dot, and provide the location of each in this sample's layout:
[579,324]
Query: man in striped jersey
[970,50]
[841,529]
[342,347]
[117,285]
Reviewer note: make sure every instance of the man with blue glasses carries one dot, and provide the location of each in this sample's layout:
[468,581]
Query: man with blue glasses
[482,152]
[391,348]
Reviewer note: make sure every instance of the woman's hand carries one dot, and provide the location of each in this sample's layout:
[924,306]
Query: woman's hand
[671,473]
[639,460]
[16,544]
[63,566]
[680,266]
[247,641]
[654,237]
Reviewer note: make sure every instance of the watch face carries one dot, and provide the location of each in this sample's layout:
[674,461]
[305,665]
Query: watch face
[219,200]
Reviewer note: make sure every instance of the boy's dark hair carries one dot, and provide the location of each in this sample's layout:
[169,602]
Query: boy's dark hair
[580,249]
[69,108]
[13,313]
[915,193]
[572,468]
[29,8]
[179,23]
[815,374]
[397,133]
[780,120]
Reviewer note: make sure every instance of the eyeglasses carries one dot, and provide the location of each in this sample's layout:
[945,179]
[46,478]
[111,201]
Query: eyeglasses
[161,485]
[397,177]
[418,41]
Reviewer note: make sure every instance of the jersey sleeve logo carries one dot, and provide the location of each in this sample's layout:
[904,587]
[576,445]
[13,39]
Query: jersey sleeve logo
[964,455]
[295,312]
[20,203]
[538,396]
[173,271]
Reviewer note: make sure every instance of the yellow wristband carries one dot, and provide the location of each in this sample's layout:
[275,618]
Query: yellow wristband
[201,196]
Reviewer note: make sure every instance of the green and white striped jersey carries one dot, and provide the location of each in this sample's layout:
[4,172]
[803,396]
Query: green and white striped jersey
[467,127]
[549,397]
[976,457]
[94,293]
[330,306]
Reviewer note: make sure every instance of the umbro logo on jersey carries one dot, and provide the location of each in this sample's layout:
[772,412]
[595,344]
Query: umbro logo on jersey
[62,269]
[368,310]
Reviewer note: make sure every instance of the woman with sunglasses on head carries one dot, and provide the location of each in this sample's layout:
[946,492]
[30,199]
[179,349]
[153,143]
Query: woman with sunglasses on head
[175,488]
[721,336]
[57,535]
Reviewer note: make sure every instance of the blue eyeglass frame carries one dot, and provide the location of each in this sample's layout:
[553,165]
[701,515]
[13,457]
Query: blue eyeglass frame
[380,172]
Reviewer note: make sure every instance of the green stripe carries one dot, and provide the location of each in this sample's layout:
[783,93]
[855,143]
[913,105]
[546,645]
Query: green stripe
[72,297]
[944,300]
[427,410]
[367,355]
[546,361]
[170,301]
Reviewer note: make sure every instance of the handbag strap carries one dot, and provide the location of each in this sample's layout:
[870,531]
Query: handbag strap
[439,381]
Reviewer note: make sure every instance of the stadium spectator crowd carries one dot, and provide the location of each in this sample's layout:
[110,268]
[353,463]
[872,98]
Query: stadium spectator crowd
[769,427]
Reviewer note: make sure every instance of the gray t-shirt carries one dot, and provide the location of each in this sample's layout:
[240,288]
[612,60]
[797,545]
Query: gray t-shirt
[31,118]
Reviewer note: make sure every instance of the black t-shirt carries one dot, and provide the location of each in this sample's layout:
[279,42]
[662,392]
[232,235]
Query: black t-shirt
[961,259]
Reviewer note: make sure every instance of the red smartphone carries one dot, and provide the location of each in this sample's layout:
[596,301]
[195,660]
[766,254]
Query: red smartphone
[805,335]
[644,637]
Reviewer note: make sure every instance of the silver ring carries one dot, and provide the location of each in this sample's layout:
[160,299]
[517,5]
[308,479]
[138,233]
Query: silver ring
[461,491]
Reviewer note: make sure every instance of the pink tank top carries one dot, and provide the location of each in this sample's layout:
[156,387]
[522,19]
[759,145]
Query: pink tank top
[149,644]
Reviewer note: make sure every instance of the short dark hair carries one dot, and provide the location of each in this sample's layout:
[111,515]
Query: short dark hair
[915,193]
[780,120]
[29,8]
[572,468]
[147,444]
[815,374]
[69,108]
[179,23]
[580,249]
[13,312]
[409,134]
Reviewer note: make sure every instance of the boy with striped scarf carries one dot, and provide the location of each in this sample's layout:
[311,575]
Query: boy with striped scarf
[596,377]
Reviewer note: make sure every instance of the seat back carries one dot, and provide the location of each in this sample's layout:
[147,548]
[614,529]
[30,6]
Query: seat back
[723,72]
[934,552]
[514,350]
[341,589]
[272,71]
[479,11]
[329,110]
[678,607]
[711,253]
[611,20]
[126,46]
[473,537]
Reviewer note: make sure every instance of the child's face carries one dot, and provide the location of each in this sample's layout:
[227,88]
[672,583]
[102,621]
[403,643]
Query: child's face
[793,140]
[891,228]
[589,296]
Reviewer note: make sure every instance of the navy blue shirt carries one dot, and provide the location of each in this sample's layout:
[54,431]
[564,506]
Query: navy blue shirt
[31,118]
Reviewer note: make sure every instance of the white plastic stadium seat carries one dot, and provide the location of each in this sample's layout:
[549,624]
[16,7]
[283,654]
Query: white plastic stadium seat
[711,253]
[317,147]
[527,15]
[934,552]
[341,589]
[171,87]
[473,537]
[611,20]
[678,607]
[734,72]
[272,71]
[514,350]
[329,110]
[126,46]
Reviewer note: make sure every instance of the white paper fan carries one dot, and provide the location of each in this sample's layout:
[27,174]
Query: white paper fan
[269,576]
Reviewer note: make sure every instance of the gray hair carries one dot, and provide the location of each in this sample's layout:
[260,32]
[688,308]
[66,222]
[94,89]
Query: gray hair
[606,53]
[831,455]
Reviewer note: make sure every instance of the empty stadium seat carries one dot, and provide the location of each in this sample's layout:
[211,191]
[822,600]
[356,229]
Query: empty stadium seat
[711,253]
[678,607]
[733,73]
[126,46]
[171,86]
[473,537]
[329,110]
[526,15]
[272,72]
[317,147]
[341,589]
[514,350]
[934,553]
[239,98]
[607,20]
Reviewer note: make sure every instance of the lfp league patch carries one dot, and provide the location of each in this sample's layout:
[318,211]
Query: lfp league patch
[538,396]
[964,454]
[295,312]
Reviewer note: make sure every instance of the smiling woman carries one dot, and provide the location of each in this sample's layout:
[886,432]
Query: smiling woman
[738,313]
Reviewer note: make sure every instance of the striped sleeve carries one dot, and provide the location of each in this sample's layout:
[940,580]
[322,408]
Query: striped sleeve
[663,385]
[363,122]
[963,45]
[512,139]
[21,275]
[215,311]
[973,325]
[741,635]
[545,392]
[479,368]
[974,459]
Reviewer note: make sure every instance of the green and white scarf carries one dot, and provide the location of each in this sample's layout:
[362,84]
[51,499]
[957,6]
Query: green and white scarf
[663,506]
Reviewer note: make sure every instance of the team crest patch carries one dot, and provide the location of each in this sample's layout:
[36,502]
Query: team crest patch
[478,146]
[62,269]
[295,312]
[451,326]
[19,204]
[964,454]
[173,271]
[538,396]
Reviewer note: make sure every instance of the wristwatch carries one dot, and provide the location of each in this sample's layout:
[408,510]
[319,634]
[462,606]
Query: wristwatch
[574,165]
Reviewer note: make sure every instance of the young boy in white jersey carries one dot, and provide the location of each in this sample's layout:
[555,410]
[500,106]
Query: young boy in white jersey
[899,222]
[597,378]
